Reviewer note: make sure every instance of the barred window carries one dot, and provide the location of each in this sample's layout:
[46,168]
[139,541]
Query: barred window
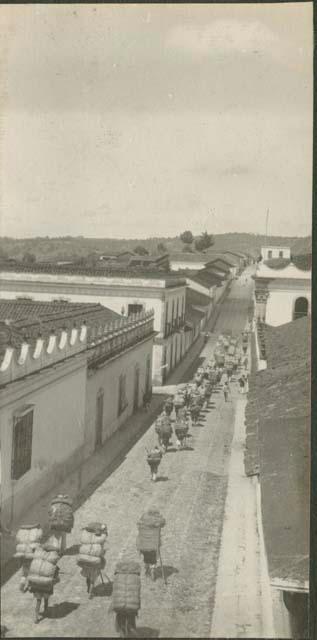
[122,403]
[22,442]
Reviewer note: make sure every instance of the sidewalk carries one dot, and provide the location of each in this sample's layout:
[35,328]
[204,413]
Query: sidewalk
[243,606]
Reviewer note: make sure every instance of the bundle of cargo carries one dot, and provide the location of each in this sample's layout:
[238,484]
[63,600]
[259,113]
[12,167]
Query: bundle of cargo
[92,546]
[181,431]
[60,514]
[149,527]
[28,539]
[126,594]
[43,572]
[231,350]
[179,400]
[168,406]
[154,457]
[208,390]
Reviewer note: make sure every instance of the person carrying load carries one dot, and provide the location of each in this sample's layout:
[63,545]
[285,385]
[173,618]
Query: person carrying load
[164,431]
[149,541]
[179,402]
[126,597]
[43,575]
[28,538]
[61,519]
[92,551]
[181,429]
[154,458]
[168,406]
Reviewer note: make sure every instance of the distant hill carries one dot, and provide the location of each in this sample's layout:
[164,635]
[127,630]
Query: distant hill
[68,247]
[302,246]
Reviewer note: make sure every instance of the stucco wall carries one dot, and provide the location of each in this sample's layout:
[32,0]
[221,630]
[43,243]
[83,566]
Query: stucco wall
[275,252]
[58,396]
[280,303]
[176,266]
[116,300]
[107,379]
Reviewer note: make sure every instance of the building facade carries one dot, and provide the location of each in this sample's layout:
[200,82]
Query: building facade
[282,295]
[121,292]
[61,398]
[273,253]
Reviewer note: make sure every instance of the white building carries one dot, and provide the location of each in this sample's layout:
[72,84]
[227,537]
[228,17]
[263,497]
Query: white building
[61,398]
[126,294]
[282,295]
[273,253]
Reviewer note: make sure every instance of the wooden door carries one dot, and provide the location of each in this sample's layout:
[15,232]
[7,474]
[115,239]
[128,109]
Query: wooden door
[99,419]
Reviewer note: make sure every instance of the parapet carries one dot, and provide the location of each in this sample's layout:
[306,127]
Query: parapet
[29,358]
[98,340]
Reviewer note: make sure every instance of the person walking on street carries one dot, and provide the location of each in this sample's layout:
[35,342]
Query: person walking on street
[154,458]
[226,391]
[241,384]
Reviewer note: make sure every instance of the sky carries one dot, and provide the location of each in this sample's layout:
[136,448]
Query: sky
[145,120]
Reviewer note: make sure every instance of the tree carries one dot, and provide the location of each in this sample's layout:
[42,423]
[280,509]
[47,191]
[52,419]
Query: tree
[141,251]
[204,241]
[29,258]
[187,238]
[161,248]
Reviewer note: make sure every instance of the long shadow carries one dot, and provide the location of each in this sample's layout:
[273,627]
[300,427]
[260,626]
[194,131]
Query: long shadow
[103,590]
[62,609]
[147,632]
[168,571]
[161,479]
[171,450]
[187,448]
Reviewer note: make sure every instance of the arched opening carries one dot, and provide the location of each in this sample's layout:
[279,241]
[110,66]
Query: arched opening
[300,308]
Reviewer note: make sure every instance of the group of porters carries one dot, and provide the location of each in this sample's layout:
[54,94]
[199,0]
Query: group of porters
[188,402]
[39,560]
[194,397]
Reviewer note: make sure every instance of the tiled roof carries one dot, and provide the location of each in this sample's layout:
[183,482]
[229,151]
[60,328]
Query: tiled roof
[20,318]
[224,263]
[278,411]
[207,278]
[303,262]
[197,299]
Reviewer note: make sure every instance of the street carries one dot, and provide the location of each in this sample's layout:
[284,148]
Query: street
[192,494]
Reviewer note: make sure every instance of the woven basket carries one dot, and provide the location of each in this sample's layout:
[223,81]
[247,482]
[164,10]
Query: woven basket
[126,595]
[29,533]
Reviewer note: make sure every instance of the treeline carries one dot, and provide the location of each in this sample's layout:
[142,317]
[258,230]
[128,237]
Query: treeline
[78,248]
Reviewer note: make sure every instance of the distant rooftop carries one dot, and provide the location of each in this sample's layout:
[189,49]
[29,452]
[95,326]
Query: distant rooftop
[189,257]
[132,272]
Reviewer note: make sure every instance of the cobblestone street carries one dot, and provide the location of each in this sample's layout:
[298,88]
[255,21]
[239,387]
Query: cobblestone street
[191,494]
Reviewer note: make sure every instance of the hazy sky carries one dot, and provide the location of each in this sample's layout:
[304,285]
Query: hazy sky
[138,120]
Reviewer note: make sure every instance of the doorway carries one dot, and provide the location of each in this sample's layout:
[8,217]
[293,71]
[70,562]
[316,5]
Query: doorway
[300,308]
[136,389]
[99,419]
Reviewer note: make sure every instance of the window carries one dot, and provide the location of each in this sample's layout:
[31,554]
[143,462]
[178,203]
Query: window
[280,254]
[173,309]
[22,442]
[122,402]
[148,374]
[269,254]
[134,308]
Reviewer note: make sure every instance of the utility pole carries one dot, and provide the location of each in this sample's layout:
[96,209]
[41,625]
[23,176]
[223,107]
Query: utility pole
[267,221]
